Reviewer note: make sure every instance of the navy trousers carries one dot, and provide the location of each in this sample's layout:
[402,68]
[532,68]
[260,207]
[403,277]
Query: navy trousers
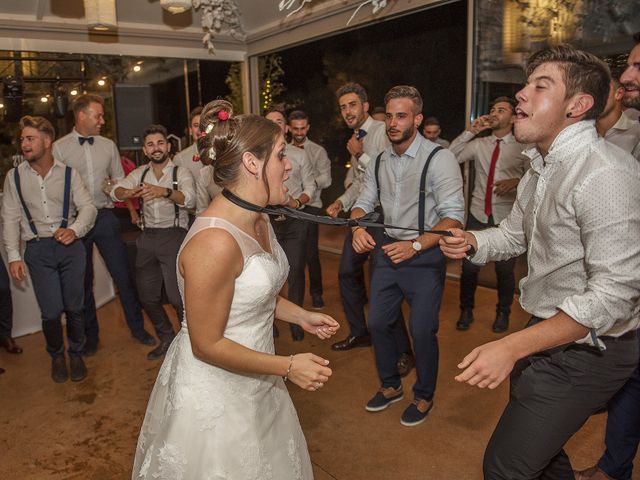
[354,293]
[420,281]
[6,305]
[106,236]
[623,430]
[57,274]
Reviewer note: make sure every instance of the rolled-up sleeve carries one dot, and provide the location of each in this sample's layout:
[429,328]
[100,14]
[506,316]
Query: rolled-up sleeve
[130,181]
[368,196]
[187,187]
[306,174]
[83,202]
[446,185]
[611,249]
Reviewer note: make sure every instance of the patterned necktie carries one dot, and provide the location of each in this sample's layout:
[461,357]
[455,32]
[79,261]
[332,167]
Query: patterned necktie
[360,133]
[492,170]
[85,139]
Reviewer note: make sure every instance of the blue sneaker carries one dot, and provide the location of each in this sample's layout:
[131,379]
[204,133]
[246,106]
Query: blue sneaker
[383,398]
[416,413]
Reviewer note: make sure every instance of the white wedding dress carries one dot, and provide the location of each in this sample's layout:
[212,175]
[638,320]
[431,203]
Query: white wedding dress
[207,423]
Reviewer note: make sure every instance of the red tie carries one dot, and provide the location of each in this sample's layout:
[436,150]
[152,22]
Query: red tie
[492,170]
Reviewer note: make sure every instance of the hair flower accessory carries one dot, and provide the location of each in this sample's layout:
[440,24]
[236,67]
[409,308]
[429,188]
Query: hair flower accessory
[223,115]
[208,130]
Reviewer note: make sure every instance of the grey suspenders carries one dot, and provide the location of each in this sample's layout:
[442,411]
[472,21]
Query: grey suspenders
[65,205]
[423,185]
[176,209]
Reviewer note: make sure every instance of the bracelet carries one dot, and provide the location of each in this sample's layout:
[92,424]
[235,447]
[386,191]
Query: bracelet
[286,375]
[168,194]
[298,203]
[356,228]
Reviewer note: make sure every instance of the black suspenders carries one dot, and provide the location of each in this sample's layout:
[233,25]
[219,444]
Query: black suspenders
[423,185]
[65,205]
[174,183]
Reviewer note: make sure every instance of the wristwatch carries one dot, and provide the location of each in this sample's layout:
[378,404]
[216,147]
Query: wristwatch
[168,194]
[417,246]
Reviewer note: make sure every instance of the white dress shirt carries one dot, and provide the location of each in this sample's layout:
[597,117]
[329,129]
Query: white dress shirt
[45,200]
[301,175]
[206,188]
[94,163]
[374,142]
[442,141]
[512,163]
[185,158]
[400,186]
[577,217]
[626,134]
[321,166]
[160,212]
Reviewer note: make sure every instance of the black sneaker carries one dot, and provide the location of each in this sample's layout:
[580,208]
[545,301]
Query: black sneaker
[90,348]
[383,398]
[316,301]
[78,368]
[59,372]
[144,337]
[416,413]
[466,319]
[502,322]
[160,350]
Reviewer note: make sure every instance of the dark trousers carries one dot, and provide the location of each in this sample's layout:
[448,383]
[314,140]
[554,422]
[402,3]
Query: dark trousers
[623,430]
[313,254]
[57,274]
[106,236]
[354,292]
[157,250]
[552,394]
[6,305]
[504,273]
[292,237]
[419,280]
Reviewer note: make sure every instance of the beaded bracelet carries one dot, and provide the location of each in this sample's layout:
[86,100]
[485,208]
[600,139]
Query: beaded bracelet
[286,375]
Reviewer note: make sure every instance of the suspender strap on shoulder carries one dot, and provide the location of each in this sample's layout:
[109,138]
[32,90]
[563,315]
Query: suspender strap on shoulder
[141,200]
[32,226]
[176,209]
[423,190]
[377,172]
[67,197]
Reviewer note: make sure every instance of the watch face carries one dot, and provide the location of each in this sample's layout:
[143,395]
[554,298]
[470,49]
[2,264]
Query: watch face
[417,246]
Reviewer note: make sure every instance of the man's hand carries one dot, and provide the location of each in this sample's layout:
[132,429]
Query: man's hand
[135,216]
[480,124]
[502,187]
[149,192]
[399,251]
[488,365]
[334,209]
[458,245]
[127,193]
[354,146]
[65,236]
[362,241]
[18,270]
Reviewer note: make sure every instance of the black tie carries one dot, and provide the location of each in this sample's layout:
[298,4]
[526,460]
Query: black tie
[361,133]
[85,139]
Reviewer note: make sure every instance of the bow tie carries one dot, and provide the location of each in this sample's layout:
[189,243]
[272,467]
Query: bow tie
[85,139]
[195,158]
[361,133]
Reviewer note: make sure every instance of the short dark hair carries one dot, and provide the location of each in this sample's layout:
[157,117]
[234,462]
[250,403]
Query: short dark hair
[431,121]
[153,129]
[298,115]
[405,91]
[41,124]
[276,109]
[511,101]
[378,110]
[353,87]
[194,113]
[582,72]
[82,102]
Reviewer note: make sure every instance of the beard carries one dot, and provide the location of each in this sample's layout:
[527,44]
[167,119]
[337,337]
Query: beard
[406,135]
[160,160]
[631,101]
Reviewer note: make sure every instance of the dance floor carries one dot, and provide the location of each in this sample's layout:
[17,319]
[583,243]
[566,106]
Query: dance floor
[88,430]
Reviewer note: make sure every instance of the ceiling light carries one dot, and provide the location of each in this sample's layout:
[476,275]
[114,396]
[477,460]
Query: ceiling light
[44,99]
[1,105]
[101,82]
[101,14]
[74,92]
[137,68]
[176,6]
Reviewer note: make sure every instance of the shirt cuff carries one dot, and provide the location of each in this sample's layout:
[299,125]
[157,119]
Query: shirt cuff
[482,251]
[13,256]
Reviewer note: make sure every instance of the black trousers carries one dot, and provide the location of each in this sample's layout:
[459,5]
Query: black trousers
[552,395]
[504,274]
[313,254]
[6,305]
[292,237]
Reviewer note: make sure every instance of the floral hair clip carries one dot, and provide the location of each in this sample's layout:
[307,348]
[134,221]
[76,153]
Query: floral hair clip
[209,128]
[223,115]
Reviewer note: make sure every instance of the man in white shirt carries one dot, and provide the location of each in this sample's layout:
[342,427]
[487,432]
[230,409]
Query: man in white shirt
[291,232]
[576,217]
[623,410]
[97,160]
[47,205]
[499,166]
[616,127]
[166,192]
[431,131]
[189,157]
[368,140]
[321,166]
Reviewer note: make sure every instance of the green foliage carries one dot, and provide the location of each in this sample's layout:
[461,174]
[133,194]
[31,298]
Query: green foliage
[271,76]
[234,82]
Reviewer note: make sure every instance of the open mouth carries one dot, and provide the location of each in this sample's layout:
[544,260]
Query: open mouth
[631,87]
[520,114]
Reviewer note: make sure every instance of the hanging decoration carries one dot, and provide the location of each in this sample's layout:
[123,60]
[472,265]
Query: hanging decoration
[101,14]
[175,6]
[376,6]
[219,15]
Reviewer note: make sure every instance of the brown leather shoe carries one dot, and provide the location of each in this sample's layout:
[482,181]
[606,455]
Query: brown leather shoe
[9,345]
[405,363]
[591,473]
[352,342]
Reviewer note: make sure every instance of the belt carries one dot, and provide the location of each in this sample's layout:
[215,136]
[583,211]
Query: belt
[630,335]
[39,239]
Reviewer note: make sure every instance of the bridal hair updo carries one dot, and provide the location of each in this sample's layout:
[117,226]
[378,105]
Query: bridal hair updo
[225,137]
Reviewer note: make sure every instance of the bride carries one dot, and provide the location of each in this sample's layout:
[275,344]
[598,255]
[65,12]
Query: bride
[220,408]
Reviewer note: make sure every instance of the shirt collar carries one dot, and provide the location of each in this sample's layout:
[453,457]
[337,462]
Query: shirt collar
[56,163]
[581,133]
[623,123]
[412,151]
[366,126]
[508,138]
